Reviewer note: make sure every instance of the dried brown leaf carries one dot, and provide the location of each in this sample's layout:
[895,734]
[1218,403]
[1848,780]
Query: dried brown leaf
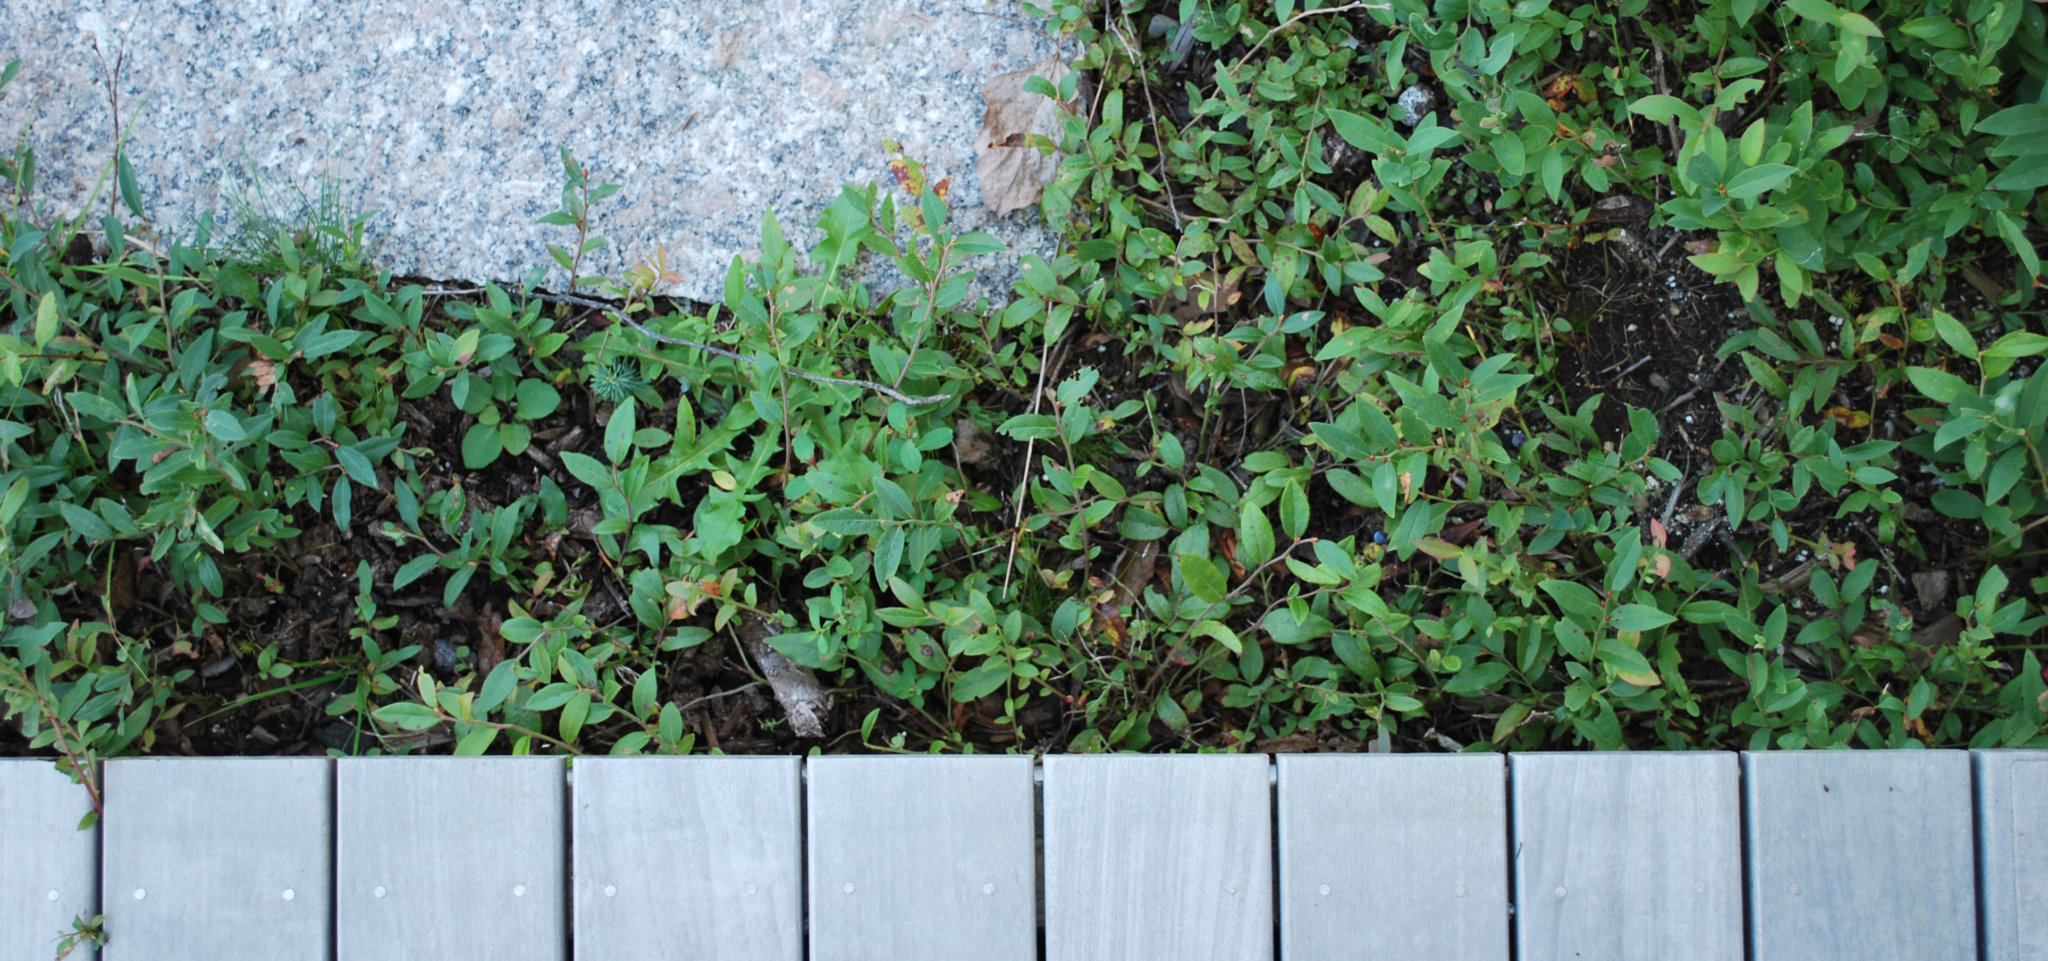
[1013,173]
[803,698]
[973,445]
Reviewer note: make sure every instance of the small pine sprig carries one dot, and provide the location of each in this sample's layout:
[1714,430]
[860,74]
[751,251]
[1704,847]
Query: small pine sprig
[616,380]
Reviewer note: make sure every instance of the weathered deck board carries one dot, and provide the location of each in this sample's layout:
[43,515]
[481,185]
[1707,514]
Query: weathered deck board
[1627,856]
[1436,822]
[1860,856]
[456,859]
[217,859]
[2012,853]
[49,869]
[698,858]
[1158,857]
[916,858]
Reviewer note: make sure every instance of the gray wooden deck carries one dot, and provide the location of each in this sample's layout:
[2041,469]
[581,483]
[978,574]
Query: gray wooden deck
[1910,855]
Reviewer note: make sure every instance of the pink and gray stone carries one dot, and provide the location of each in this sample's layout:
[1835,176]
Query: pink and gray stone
[446,117]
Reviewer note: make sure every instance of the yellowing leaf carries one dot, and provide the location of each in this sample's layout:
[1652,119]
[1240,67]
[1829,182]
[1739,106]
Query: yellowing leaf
[48,319]
[1013,172]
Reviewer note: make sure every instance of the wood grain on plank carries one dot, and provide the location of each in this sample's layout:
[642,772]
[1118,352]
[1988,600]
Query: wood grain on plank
[2012,853]
[698,858]
[1158,857]
[450,858]
[1860,856]
[216,859]
[1627,856]
[49,869]
[921,859]
[1430,828]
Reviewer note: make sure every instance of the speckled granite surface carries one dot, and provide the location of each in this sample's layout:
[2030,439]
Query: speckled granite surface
[446,116]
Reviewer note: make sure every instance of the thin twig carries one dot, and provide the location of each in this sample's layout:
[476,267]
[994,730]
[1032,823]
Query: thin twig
[1152,109]
[1671,506]
[1680,399]
[1017,524]
[750,685]
[883,389]
[1297,18]
[1664,88]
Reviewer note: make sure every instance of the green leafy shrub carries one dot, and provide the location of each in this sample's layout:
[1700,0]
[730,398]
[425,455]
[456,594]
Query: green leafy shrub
[1290,441]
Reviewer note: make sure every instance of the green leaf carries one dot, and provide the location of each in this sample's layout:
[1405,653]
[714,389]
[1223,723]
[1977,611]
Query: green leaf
[1820,10]
[1954,333]
[407,715]
[480,446]
[550,697]
[1477,677]
[2019,121]
[2025,173]
[1755,180]
[1511,717]
[618,433]
[514,437]
[888,554]
[10,505]
[1939,386]
[476,742]
[1254,536]
[85,522]
[498,687]
[124,173]
[49,319]
[846,522]
[2018,343]
[983,680]
[1202,577]
[357,466]
[1221,634]
[1367,133]
[671,723]
[1030,427]
[456,582]
[1294,510]
[225,426]
[588,469]
[1639,617]
[573,715]
[630,745]
[1859,24]
[1137,526]
[1627,662]
[1342,442]
[1576,600]
[1169,712]
[2016,237]
[1917,701]
[413,570]
[536,399]
[895,501]
[93,405]
[1663,108]
[344,502]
